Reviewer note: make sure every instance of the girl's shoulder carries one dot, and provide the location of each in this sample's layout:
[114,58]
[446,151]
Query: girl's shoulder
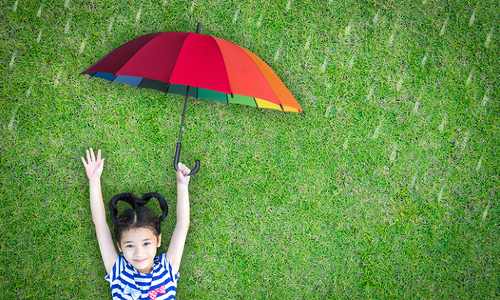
[165,265]
[162,262]
[121,265]
[162,258]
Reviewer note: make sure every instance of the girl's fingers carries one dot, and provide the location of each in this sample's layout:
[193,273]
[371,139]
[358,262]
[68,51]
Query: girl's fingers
[84,163]
[183,169]
[91,155]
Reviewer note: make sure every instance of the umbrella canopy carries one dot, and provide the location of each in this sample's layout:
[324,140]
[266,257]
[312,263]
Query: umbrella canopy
[214,68]
[195,65]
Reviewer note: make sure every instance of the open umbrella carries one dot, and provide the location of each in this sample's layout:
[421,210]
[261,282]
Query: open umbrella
[195,65]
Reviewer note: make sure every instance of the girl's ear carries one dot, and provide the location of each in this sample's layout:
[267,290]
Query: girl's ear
[159,240]
[119,248]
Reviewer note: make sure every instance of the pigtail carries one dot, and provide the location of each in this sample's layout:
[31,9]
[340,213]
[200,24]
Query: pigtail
[134,201]
[163,204]
[127,197]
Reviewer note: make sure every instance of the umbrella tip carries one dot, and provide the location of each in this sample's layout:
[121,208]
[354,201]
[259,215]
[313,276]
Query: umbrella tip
[198,29]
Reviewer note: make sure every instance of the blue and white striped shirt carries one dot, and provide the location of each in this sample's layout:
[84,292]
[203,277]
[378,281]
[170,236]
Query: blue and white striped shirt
[127,283]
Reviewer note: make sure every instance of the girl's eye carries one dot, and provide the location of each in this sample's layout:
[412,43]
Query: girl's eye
[129,246]
[146,244]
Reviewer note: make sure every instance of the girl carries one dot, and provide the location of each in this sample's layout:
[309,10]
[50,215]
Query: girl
[137,273]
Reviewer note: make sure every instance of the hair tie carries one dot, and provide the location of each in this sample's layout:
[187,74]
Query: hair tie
[134,201]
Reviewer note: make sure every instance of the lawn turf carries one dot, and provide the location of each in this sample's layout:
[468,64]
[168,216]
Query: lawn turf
[387,188]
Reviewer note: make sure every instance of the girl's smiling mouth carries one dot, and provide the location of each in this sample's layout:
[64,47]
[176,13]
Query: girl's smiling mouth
[140,261]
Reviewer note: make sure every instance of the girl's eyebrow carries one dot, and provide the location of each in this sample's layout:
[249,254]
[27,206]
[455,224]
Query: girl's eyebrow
[127,242]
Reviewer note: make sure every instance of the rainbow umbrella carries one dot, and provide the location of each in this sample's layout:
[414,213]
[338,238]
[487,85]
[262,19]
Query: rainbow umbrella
[195,65]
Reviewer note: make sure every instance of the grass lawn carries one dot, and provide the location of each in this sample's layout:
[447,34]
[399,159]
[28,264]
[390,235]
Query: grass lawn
[388,188]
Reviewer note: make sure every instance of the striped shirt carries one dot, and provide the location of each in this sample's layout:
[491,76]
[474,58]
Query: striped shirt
[127,283]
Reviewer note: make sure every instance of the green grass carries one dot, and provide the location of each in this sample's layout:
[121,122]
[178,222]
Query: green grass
[388,188]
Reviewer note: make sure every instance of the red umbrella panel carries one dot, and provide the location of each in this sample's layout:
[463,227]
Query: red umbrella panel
[196,65]
[218,69]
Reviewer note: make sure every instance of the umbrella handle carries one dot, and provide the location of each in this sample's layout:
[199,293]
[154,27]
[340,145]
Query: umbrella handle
[176,160]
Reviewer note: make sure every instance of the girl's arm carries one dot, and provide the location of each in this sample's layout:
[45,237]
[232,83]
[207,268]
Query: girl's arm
[94,170]
[176,247]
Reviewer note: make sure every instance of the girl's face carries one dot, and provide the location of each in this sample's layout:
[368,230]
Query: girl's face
[139,248]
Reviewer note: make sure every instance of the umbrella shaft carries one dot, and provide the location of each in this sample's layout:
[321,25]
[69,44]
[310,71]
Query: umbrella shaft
[184,113]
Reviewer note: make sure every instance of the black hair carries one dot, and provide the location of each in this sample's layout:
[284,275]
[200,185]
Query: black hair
[138,216]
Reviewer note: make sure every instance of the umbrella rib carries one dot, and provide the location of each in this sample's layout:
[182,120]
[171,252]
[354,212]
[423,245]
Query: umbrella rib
[111,52]
[267,81]
[101,59]
[139,50]
[140,82]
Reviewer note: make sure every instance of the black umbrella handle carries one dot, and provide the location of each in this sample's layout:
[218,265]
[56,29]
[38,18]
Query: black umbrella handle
[176,160]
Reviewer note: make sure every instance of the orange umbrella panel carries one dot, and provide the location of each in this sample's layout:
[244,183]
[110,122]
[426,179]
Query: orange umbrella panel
[217,69]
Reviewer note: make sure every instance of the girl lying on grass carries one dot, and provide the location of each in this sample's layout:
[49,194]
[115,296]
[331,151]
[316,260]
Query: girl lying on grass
[138,273]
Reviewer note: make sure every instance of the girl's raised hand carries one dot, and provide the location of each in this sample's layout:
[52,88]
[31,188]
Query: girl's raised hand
[92,166]
[182,174]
